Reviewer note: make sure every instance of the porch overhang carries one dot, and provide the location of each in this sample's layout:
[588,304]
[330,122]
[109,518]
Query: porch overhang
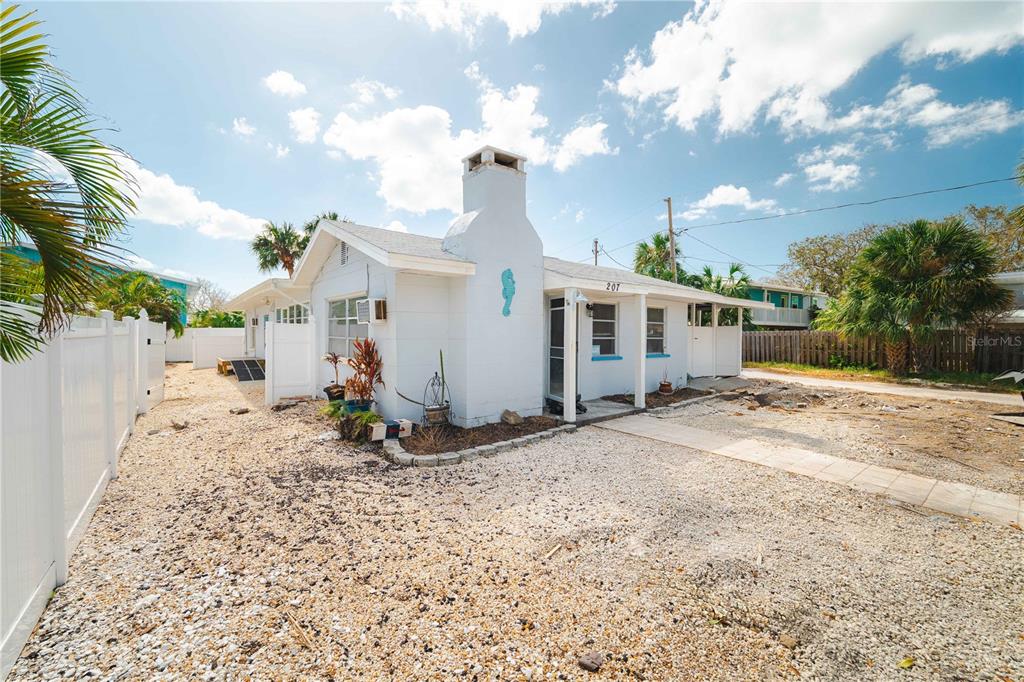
[557,281]
[268,289]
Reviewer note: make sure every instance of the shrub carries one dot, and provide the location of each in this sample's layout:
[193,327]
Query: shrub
[352,426]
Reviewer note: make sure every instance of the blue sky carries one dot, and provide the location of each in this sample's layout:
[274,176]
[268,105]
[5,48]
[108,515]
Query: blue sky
[734,111]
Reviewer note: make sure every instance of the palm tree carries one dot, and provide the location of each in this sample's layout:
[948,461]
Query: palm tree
[62,189]
[655,259]
[277,247]
[911,280]
[129,292]
[735,285]
[310,226]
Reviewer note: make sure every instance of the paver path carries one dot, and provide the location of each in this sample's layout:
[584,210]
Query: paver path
[1011,399]
[952,498]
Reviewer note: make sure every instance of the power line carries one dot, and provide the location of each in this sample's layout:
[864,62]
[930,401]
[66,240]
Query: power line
[729,255]
[613,259]
[835,207]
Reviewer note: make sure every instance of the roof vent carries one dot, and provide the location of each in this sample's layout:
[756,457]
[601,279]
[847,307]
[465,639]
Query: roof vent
[343,253]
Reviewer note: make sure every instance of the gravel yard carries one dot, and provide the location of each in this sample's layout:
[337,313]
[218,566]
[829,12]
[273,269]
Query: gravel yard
[244,547]
[948,440]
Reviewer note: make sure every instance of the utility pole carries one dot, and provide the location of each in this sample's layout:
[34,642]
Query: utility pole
[672,241]
[596,249]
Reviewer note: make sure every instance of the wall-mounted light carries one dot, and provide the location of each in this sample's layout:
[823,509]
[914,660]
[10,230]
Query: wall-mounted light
[590,309]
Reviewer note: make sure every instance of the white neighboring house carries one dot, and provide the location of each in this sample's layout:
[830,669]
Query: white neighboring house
[515,327]
[1014,281]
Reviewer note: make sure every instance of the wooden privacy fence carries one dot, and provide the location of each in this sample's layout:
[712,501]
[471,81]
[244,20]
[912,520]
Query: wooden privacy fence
[951,351]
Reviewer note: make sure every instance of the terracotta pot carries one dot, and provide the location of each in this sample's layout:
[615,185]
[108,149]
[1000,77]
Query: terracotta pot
[665,388]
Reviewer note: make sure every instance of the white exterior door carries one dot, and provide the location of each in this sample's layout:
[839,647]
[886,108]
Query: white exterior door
[703,357]
[156,355]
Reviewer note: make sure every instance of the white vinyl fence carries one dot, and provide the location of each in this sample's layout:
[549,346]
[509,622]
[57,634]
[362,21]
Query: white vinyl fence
[67,411]
[210,343]
[291,363]
[179,349]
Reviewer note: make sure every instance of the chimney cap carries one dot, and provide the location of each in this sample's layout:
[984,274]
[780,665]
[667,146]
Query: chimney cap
[492,155]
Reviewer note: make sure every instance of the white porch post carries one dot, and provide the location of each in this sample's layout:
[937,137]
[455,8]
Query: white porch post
[314,357]
[268,364]
[569,363]
[640,368]
[691,329]
[714,339]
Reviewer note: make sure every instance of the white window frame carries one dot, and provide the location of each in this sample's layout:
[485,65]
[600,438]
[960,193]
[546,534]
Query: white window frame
[348,319]
[664,330]
[292,314]
[615,333]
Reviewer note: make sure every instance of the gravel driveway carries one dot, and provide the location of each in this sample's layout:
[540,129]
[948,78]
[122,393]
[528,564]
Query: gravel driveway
[243,547]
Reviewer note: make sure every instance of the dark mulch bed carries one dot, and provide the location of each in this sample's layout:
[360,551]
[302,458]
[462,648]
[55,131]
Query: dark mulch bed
[655,399]
[437,439]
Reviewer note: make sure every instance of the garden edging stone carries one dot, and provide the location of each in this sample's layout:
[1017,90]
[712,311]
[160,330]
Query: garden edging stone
[395,453]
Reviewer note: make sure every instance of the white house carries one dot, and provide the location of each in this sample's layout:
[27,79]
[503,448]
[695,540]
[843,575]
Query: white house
[515,327]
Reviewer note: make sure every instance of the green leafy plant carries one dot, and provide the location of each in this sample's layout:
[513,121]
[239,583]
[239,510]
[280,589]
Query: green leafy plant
[217,318]
[64,190]
[130,292]
[352,426]
[911,280]
[334,360]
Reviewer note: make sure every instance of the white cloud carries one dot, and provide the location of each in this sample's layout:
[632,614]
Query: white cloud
[335,154]
[727,195]
[823,170]
[161,200]
[919,105]
[582,141]
[737,60]
[830,176]
[137,262]
[521,18]
[367,91]
[305,124]
[285,84]
[783,179]
[580,215]
[418,154]
[241,127]
[397,226]
[280,151]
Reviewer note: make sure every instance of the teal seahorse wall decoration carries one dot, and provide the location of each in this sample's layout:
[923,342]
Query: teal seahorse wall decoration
[508,290]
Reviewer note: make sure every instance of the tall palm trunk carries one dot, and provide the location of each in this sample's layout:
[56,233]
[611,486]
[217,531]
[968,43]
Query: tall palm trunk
[896,357]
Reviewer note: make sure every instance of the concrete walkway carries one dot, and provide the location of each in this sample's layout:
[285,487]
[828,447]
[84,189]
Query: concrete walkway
[951,498]
[1010,399]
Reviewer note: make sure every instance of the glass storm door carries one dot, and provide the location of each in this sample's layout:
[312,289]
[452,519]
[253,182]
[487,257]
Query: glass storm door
[556,347]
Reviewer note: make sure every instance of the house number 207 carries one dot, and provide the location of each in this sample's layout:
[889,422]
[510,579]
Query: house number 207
[611,286]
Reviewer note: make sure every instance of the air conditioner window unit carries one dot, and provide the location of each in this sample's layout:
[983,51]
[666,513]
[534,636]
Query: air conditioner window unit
[371,310]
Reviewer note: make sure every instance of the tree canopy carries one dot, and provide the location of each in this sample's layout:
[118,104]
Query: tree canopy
[821,262]
[129,292]
[913,279]
[64,190]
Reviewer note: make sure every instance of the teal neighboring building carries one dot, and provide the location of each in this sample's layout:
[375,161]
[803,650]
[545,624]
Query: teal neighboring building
[793,306]
[183,287]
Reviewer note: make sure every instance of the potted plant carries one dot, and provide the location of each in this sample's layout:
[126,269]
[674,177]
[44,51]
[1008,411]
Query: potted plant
[366,368]
[665,386]
[437,409]
[334,391]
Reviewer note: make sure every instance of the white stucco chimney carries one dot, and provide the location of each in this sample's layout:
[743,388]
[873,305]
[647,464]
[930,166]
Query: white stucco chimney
[493,178]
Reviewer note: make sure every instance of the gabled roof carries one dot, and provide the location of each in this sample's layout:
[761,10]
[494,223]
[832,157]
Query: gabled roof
[393,249]
[560,272]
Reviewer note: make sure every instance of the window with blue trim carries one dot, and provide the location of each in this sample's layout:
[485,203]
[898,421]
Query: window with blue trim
[603,329]
[656,330]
